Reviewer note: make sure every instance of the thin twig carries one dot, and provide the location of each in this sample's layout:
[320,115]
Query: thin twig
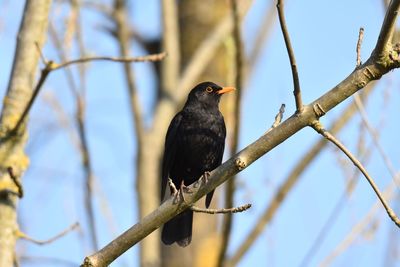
[79,120]
[375,137]
[45,72]
[80,107]
[334,215]
[15,179]
[358,48]
[44,60]
[149,251]
[51,66]
[50,240]
[296,81]
[148,58]
[87,167]
[320,129]
[222,211]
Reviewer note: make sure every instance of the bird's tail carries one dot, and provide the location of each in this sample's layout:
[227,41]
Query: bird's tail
[178,229]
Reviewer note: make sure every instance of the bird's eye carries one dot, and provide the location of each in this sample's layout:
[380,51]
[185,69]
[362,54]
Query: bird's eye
[209,89]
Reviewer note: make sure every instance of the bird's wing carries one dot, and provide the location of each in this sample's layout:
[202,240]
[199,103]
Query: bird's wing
[169,150]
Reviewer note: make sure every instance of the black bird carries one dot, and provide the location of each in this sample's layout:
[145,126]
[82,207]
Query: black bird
[194,145]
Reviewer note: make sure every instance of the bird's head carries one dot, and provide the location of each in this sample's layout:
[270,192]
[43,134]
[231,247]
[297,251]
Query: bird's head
[208,94]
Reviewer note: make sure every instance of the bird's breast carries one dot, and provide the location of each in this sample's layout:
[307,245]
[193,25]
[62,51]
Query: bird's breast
[201,144]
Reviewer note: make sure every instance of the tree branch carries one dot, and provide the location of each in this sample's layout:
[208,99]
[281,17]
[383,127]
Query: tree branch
[319,128]
[293,65]
[148,58]
[222,211]
[370,70]
[389,24]
[17,182]
[50,240]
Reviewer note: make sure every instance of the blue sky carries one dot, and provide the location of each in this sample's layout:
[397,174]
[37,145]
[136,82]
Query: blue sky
[324,39]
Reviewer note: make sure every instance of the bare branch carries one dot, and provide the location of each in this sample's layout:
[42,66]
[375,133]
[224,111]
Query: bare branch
[221,211]
[17,182]
[375,138]
[87,168]
[319,128]
[296,81]
[148,58]
[149,251]
[387,30]
[51,66]
[334,214]
[50,240]
[45,72]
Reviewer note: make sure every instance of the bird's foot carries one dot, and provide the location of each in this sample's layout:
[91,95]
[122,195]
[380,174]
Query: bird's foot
[205,177]
[174,191]
[184,189]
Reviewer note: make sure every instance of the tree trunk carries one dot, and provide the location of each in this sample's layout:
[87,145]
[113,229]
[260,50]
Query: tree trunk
[196,20]
[32,31]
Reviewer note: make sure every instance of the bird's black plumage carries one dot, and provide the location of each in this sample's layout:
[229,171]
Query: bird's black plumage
[194,144]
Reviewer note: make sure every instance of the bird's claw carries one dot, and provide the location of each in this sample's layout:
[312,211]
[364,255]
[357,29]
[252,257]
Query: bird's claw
[205,177]
[174,191]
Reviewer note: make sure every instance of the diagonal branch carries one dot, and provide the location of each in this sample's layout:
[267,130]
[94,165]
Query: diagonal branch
[293,65]
[319,128]
[359,78]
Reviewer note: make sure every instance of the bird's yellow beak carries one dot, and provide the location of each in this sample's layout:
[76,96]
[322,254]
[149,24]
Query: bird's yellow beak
[226,90]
